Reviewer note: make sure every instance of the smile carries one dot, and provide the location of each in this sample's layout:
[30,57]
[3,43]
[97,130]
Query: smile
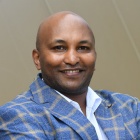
[71,71]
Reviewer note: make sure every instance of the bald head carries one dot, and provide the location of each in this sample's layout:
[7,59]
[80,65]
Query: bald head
[59,20]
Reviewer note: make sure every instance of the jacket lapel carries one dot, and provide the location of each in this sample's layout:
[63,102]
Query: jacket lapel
[110,118]
[61,109]
[73,118]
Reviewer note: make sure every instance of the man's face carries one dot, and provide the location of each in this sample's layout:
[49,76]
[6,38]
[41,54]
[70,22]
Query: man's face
[67,57]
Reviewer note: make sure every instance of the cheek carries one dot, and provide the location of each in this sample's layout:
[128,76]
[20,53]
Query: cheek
[51,61]
[90,61]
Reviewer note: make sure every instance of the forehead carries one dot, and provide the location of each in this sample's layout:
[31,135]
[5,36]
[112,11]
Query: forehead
[65,27]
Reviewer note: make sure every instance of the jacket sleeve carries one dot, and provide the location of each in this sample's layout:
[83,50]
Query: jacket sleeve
[138,116]
[15,124]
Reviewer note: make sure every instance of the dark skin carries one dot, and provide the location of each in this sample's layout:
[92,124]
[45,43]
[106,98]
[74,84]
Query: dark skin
[66,55]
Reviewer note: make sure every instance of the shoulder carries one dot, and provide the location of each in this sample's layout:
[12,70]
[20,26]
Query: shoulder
[15,107]
[120,99]
[125,106]
[20,115]
[23,103]
[21,99]
[116,95]
[20,107]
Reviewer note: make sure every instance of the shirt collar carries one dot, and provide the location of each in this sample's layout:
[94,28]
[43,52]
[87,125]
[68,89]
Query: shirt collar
[92,99]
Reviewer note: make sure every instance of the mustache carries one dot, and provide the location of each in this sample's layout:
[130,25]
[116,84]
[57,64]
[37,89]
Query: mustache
[69,66]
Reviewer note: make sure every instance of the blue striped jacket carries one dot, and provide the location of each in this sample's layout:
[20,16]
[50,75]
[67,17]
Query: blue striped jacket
[40,113]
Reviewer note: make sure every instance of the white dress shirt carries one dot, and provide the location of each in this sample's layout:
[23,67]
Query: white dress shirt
[92,103]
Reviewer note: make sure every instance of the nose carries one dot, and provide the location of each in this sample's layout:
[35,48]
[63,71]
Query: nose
[71,57]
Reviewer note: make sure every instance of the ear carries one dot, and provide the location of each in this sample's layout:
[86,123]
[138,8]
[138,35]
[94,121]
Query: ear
[36,56]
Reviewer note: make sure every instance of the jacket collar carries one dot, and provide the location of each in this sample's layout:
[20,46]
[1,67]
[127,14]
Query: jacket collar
[41,92]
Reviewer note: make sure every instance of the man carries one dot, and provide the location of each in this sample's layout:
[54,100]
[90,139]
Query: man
[59,104]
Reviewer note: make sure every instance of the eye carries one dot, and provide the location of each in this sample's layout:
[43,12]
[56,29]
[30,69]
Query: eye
[59,48]
[83,48]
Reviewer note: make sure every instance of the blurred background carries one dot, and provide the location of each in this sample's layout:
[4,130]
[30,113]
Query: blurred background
[116,26]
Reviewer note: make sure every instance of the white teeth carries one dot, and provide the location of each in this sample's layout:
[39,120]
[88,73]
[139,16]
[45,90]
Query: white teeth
[71,71]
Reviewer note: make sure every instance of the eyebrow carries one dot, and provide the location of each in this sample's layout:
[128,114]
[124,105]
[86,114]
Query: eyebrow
[85,42]
[59,41]
[81,42]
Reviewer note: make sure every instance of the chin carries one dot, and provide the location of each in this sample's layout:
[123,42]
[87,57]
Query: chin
[73,90]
